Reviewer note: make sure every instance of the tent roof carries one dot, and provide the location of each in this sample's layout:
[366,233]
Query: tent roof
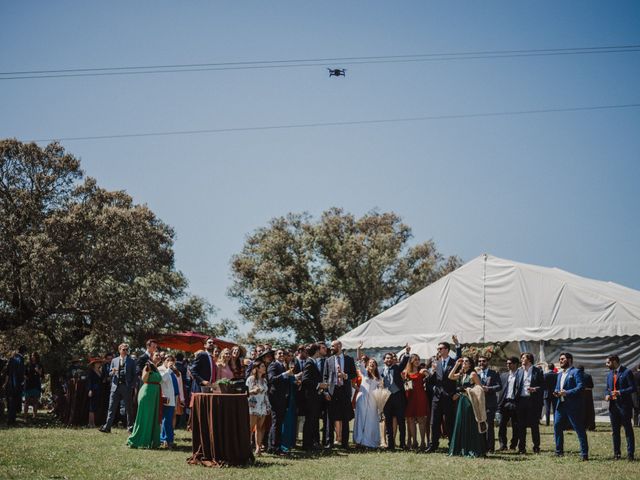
[491,299]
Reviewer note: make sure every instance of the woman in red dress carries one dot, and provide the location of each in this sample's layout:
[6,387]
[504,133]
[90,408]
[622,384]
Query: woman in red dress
[417,409]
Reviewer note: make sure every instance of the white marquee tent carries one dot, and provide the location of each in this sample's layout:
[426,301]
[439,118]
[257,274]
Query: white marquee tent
[490,299]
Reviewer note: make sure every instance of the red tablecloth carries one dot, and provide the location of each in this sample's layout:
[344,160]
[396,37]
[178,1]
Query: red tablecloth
[220,429]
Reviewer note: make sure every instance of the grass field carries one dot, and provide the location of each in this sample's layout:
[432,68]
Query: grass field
[44,449]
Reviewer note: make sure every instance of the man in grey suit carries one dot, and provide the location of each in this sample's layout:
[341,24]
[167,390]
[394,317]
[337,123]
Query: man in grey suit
[123,381]
[491,384]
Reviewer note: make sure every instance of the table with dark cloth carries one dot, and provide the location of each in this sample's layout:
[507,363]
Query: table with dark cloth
[220,429]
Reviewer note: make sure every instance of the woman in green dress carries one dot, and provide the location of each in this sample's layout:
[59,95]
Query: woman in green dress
[466,440]
[146,430]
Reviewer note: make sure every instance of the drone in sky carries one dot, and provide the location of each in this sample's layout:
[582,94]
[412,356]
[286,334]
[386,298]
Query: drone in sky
[337,72]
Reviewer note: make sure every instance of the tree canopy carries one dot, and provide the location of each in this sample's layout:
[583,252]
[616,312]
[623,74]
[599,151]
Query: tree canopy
[82,268]
[319,279]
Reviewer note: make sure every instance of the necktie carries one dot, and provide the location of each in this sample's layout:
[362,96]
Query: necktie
[615,381]
[339,370]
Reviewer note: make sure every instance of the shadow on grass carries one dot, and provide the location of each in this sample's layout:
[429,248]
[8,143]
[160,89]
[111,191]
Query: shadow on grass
[42,420]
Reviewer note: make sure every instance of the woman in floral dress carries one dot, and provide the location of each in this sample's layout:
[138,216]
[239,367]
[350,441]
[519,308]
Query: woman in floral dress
[259,406]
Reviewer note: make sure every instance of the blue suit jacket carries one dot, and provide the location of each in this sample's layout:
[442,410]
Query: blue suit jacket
[130,377]
[278,384]
[15,374]
[201,371]
[573,386]
[494,384]
[626,385]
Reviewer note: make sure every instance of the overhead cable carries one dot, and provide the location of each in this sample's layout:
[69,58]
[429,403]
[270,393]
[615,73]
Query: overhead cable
[344,123]
[312,62]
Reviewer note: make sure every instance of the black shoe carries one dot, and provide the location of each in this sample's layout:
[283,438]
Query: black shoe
[503,448]
[536,450]
[103,429]
[130,429]
[558,454]
[616,456]
[522,452]
[431,448]
[630,458]
[585,458]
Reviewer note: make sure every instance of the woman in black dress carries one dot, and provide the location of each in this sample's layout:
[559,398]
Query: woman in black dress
[33,375]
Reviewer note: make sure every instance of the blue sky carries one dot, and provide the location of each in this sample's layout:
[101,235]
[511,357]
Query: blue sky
[557,189]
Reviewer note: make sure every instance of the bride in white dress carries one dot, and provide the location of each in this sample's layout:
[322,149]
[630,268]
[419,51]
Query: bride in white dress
[366,429]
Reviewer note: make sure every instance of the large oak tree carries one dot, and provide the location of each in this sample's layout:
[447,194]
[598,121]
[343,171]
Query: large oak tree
[82,268]
[316,280]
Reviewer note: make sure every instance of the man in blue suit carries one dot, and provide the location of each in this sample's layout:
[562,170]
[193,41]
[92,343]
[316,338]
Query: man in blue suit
[15,384]
[278,378]
[620,386]
[569,406]
[123,381]
[442,406]
[203,368]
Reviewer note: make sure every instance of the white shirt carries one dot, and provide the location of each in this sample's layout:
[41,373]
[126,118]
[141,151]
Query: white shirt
[563,377]
[526,381]
[511,382]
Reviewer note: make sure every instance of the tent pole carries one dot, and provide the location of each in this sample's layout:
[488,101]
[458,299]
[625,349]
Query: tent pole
[484,297]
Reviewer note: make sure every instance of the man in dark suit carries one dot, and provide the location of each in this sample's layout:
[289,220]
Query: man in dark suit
[299,363]
[123,382]
[620,387]
[3,378]
[203,368]
[152,346]
[529,390]
[312,389]
[278,377]
[636,398]
[327,427]
[491,384]
[394,408]
[507,405]
[15,384]
[569,406]
[550,379]
[443,391]
[339,370]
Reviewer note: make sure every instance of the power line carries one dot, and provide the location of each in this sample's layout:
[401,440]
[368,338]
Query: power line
[345,123]
[313,62]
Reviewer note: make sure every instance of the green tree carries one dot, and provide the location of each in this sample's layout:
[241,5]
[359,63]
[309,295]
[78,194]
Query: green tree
[319,279]
[82,268]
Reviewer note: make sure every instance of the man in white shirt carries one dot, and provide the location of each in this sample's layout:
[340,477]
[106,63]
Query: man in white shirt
[507,405]
[529,401]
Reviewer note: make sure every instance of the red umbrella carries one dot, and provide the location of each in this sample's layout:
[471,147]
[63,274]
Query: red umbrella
[189,341]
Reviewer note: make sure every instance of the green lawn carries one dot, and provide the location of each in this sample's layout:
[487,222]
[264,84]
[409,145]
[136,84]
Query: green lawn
[44,449]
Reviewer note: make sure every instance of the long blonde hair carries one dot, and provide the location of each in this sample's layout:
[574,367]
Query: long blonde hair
[221,361]
[408,370]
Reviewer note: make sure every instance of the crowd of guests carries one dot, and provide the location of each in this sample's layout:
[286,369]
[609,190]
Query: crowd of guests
[403,403]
